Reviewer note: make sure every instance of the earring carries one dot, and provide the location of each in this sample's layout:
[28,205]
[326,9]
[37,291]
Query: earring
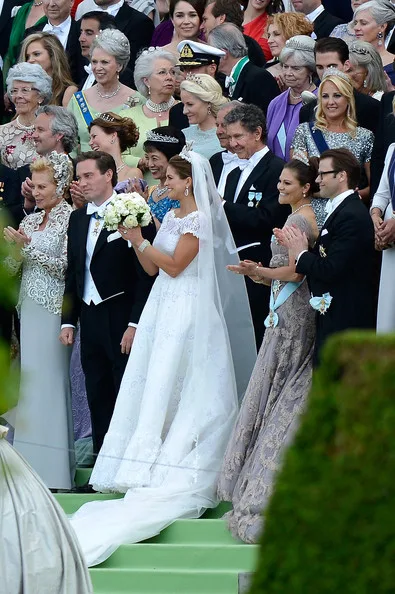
[365,83]
[209,109]
[149,90]
[304,194]
[186,191]
[311,79]
[380,37]
[112,141]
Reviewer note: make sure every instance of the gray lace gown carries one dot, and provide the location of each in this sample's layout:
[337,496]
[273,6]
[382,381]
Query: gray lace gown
[271,407]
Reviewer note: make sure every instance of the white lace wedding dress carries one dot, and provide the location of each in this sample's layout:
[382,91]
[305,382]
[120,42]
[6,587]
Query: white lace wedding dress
[176,405]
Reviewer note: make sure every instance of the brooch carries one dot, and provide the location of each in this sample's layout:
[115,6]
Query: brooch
[322,251]
[321,304]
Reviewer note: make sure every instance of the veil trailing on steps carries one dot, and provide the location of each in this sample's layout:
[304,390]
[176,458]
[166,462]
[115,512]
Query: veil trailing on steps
[180,479]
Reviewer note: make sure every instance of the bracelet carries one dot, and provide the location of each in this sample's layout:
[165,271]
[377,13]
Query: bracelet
[144,244]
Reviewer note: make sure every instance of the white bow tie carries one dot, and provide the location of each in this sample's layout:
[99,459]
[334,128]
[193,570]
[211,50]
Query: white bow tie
[328,207]
[93,209]
[228,157]
[243,163]
[88,69]
[229,81]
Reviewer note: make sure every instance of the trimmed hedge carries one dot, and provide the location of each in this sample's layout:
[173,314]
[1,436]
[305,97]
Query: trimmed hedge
[330,525]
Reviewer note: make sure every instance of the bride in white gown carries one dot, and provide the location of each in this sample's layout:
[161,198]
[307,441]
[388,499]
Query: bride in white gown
[192,357]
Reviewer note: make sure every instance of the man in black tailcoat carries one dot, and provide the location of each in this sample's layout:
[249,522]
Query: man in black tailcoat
[339,267]
[106,289]
[323,21]
[251,199]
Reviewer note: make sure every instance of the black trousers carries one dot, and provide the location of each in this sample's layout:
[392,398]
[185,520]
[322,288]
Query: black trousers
[102,328]
[259,297]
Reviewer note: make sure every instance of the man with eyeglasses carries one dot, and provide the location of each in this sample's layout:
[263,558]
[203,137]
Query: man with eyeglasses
[339,268]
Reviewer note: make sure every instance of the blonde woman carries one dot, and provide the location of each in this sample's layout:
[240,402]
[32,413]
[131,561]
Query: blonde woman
[45,49]
[335,126]
[202,97]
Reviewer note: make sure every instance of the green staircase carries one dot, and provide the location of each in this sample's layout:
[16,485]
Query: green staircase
[189,557]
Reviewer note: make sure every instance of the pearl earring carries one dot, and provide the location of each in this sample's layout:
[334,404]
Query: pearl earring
[209,109]
[186,191]
[149,90]
[380,37]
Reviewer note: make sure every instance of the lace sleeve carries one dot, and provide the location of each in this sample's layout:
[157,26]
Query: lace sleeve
[55,265]
[299,140]
[194,223]
[12,265]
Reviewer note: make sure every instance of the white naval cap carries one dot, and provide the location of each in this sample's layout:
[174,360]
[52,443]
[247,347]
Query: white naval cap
[194,53]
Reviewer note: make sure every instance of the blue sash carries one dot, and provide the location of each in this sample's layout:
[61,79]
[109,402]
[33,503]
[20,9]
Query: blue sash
[287,290]
[318,138]
[391,179]
[84,109]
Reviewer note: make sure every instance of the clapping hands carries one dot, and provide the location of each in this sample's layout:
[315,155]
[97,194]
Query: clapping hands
[247,268]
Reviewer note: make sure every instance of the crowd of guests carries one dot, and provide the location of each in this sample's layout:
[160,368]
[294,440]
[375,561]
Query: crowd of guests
[284,112]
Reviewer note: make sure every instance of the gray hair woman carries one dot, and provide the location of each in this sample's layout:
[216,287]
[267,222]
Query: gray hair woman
[298,63]
[28,86]
[155,79]
[110,53]
[366,71]
[372,21]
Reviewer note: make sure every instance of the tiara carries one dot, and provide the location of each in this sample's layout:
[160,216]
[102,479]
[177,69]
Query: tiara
[362,51]
[116,36]
[195,78]
[186,152]
[301,156]
[299,45]
[150,50]
[155,137]
[61,170]
[335,72]
[106,117]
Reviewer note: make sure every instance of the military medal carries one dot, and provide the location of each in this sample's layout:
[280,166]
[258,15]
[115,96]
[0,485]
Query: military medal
[251,198]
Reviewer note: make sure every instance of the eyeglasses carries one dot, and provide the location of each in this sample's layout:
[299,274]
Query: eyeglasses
[23,91]
[322,173]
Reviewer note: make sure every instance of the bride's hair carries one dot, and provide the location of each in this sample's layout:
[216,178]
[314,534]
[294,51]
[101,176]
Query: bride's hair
[183,167]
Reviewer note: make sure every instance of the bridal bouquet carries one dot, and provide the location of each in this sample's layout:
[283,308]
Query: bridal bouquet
[129,210]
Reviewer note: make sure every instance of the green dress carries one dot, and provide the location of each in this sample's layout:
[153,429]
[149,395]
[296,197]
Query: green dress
[17,35]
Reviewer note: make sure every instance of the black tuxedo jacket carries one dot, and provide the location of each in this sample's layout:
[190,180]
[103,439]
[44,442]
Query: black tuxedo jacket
[11,200]
[341,264]
[177,117]
[255,85]
[217,164]
[255,224]
[325,23]
[114,268]
[254,51]
[367,109]
[137,27]
[339,8]
[6,23]
[126,76]
[73,48]
[385,135]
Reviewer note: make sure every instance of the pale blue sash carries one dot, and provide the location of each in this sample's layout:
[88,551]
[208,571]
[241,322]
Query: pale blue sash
[286,292]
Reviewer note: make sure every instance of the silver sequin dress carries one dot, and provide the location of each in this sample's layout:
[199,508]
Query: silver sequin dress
[360,145]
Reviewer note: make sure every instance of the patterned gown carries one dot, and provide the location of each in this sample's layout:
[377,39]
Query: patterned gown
[269,414]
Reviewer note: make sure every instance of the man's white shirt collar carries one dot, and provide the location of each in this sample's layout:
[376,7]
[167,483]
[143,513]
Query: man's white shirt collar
[313,15]
[61,31]
[331,205]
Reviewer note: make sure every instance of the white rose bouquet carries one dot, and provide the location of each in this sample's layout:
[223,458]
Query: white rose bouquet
[129,210]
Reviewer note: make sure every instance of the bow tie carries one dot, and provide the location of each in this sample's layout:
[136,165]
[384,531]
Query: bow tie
[228,157]
[88,69]
[328,207]
[92,209]
[229,82]
[243,163]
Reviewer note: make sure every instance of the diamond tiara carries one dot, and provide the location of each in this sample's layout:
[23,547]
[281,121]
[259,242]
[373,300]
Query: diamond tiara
[186,152]
[293,43]
[362,51]
[155,137]
[115,35]
[335,72]
[106,117]
[195,78]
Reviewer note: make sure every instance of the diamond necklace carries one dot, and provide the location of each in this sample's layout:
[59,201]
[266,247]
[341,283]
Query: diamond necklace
[303,205]
[109,95]
[122,166]
[159,107]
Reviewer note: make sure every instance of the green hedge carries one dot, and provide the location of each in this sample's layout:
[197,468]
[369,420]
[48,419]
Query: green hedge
[330,525]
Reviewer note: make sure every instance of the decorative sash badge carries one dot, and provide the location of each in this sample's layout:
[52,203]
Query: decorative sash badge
[321,304]
[322,251]
[278,297]
[254,197]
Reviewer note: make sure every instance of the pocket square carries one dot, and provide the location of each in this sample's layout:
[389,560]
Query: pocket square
[115,235]
[324,232]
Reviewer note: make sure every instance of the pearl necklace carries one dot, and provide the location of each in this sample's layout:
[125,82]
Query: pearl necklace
[303,205]
[37,3]
[160,107]
[22,126]
[298,96]
[109,95]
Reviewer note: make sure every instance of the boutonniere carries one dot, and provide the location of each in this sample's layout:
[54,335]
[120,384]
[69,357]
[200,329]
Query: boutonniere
[322,251]
[131,101]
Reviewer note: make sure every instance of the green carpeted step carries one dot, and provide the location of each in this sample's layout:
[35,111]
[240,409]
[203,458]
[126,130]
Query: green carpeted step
[220,557]
[126,581]
[195,532]
[82,476]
